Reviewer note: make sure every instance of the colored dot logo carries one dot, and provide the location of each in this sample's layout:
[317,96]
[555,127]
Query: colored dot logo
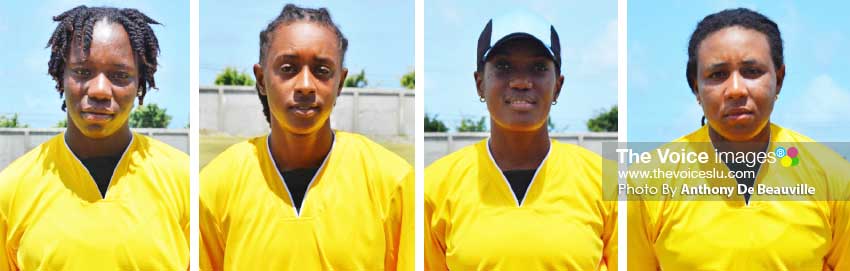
[788,158]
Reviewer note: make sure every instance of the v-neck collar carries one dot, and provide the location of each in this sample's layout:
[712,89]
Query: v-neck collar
[505,180]
[90,176]
[760,171]
[298,211]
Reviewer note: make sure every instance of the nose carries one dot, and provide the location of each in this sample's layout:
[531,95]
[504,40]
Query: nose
[304,82]
[521,82]
[99,88]
[737,89]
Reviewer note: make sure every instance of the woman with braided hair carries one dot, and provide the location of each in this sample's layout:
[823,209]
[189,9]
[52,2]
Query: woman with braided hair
[98,196]
[305,197]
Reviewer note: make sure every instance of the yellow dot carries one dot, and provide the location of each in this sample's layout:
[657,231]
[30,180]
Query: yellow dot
[786,161]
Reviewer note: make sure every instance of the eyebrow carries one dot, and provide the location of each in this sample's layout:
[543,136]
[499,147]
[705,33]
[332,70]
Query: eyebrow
[116,65]
[317,58]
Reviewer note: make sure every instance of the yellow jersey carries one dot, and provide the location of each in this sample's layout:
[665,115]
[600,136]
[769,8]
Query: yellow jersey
[53,217]
[357,213]
[473,221]
[719,232]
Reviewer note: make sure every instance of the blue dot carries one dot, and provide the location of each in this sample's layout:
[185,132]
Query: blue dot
[780,152]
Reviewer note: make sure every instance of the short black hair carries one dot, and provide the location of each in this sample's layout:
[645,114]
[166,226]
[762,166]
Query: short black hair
[733,17]
[77,25]
[292,13]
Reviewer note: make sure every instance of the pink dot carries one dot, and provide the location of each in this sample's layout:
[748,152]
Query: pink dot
[792,152]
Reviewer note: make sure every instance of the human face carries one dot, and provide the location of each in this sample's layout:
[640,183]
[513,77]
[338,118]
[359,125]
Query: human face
[99,92]
[519,82]
[737,82]
[301,75]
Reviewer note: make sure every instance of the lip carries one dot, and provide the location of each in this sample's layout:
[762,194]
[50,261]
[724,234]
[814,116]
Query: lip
[304,110]
[521,103]
[96,115]
[738,114]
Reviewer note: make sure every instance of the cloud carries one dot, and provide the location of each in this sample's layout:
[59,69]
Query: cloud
[596,58]
[823,104]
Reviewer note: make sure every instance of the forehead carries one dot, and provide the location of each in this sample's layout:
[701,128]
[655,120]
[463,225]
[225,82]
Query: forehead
[304,36]
[734,42]
[109,42]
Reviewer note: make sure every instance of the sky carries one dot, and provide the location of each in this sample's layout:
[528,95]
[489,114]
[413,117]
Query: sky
[25,27]
[588,33]
[814,98]
[380,36]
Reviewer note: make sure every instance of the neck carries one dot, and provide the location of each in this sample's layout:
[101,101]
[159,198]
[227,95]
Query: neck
[296,151]
[756,144]
[84,147]
[518,150]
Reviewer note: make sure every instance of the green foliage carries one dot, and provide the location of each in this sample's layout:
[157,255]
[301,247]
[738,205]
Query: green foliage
[357,80]
[6,122]
[409,80]
[469,125]
[550,124]
[149,116]
[604,121]
[232,77]
[61,124]
[434,125]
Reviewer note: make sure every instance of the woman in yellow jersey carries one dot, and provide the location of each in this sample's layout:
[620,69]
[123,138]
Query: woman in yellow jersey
[305,197]
[519,200]
[98,196]
[735,70]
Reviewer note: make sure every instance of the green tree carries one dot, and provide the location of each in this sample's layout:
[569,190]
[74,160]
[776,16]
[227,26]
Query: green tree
[604,121]
[550,124]
[61,124]
[470,125]
[408,80]
[231,77]
[149,116]
[357,80]
[432,124]
[11,122]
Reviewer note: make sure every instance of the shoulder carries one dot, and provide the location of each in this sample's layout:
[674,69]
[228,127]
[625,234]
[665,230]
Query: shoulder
[35,162]
[162,153]
[449,170]
[373,156]
[232,161]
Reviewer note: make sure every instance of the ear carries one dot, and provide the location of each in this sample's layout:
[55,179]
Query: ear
[558,84]
[696,91]
[479,80]
[780,78]
[343,75]
[261,85]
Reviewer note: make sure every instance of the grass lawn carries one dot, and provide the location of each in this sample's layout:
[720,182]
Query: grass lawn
[212,145]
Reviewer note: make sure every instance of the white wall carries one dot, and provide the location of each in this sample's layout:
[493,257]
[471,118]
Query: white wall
[15,142]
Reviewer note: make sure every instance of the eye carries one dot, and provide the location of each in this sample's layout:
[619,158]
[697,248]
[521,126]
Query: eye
[718,75]
[287,68]
[81,72]
[323,71]
[540,67]
[503,66]
[751,72]
[120,75]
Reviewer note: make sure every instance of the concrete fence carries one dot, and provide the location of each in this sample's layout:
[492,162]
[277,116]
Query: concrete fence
[382,113]
[438,145]
[15,142]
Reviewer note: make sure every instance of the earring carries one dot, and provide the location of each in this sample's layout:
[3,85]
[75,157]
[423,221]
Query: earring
[776,97]
[139,93]
[554,102]
[481,99]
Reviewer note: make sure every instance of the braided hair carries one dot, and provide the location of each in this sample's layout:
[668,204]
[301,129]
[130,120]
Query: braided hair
[290,14]
[77,25]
